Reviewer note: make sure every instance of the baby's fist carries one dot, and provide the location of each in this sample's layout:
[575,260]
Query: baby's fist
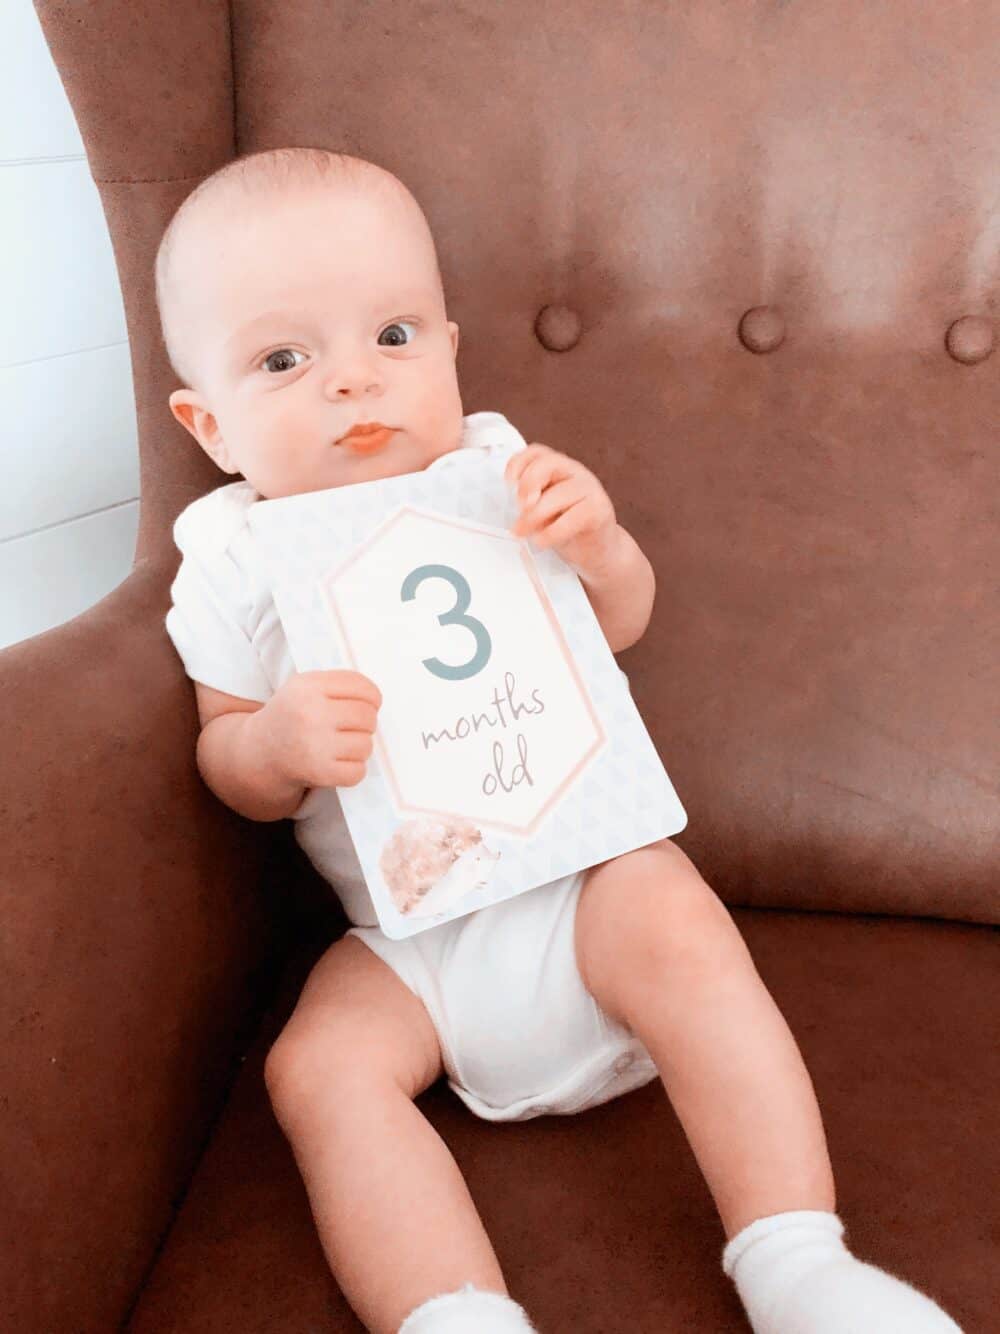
[318,728]
[563,505]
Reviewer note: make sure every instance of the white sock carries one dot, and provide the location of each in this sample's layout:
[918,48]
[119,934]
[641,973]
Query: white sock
[794,1275]
[468,1308]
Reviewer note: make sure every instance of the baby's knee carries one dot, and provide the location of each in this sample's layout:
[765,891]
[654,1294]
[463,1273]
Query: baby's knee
[302,1072]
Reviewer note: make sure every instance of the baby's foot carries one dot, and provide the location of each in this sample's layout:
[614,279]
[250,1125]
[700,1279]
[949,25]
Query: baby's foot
[794,1275]
[468,1308]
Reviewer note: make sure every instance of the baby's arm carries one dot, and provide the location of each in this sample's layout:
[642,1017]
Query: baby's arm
[563,505]
[232,762]
[622,592]
[316,730]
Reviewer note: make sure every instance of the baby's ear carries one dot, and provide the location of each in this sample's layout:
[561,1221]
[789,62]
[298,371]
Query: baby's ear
[453,331]
[187,407]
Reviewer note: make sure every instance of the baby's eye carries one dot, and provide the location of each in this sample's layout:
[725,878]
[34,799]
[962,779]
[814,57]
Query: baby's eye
[281,352]
[398,324]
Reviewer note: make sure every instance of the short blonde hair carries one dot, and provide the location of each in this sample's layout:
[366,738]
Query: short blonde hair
[255,175]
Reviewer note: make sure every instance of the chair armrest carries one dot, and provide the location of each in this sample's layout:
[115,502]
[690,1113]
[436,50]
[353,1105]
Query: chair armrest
[136,941]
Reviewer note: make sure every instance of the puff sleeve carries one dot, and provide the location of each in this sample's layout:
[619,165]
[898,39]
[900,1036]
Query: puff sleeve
[212,599]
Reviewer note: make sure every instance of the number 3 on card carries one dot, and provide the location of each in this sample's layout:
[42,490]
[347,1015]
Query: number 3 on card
[454,616]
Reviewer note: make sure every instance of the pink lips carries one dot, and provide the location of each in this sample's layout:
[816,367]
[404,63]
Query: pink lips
[366,437]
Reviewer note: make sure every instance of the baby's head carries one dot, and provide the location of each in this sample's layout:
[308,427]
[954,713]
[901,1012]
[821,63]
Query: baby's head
[299,295]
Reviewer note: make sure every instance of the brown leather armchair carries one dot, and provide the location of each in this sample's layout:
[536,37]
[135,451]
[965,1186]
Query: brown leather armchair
[743,261]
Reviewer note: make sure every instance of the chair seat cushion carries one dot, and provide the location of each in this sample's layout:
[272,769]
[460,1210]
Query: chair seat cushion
[896,1021]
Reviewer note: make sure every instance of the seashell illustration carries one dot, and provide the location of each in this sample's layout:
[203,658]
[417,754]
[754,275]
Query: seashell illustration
[431,861]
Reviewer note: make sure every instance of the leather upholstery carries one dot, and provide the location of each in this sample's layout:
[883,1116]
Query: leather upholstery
[743,262]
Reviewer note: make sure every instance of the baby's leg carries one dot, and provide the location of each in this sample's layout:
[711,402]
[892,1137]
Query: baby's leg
[662,954]
[394,1214]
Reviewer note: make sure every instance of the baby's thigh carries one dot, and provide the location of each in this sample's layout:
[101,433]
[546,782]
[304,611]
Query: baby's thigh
[355,1022]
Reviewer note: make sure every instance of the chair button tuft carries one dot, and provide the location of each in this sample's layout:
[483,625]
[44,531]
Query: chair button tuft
[557,328]
[762,329]
[970,339]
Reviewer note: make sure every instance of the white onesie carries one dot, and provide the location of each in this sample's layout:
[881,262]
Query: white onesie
[520,1035]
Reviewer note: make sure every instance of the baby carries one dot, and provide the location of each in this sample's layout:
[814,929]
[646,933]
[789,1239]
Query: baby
[302,308]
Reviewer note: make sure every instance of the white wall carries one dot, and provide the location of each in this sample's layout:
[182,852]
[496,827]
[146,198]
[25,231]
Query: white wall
[69,466]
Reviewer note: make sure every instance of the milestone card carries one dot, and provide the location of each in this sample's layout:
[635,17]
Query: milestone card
[508,750]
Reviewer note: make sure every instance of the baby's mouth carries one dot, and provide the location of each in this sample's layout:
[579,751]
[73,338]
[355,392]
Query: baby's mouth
[367,442]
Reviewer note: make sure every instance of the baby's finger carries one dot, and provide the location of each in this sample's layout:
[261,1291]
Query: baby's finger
[516,463]
[539,473]
[556,499]
[570,524]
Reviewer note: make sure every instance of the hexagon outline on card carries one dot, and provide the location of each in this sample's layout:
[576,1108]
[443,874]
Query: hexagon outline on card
[358,595]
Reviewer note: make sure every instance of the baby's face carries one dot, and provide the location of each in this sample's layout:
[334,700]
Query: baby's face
[308,317]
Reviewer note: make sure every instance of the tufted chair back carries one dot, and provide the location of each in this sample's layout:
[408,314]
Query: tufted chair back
[744,262]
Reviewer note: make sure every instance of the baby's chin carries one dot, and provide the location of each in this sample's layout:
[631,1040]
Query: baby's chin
[387,463]
[397,458]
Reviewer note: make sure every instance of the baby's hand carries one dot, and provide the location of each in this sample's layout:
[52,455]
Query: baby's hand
[317,728]
[565,506]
